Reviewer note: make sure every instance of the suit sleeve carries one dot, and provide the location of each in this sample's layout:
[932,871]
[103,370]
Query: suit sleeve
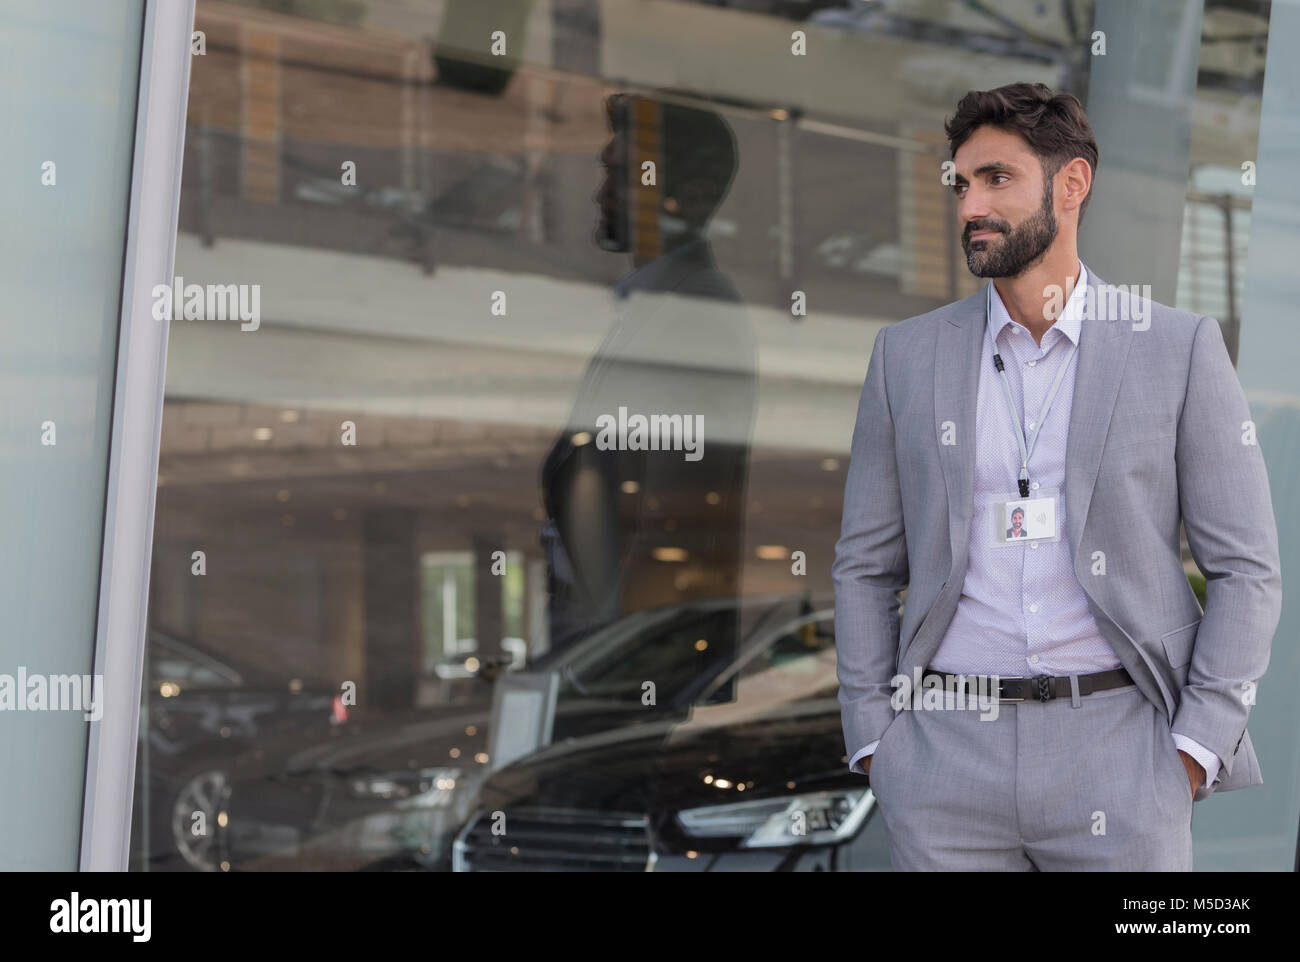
[1227,512]
[871,568]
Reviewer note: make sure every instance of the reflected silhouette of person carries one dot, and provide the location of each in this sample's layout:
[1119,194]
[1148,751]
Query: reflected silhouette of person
[631,528]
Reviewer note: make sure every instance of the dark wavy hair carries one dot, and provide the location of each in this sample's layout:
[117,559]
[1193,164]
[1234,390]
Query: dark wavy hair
[1054,125]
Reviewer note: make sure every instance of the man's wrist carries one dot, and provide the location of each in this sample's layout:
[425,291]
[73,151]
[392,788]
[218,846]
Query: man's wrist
[858,762]
[1206,759]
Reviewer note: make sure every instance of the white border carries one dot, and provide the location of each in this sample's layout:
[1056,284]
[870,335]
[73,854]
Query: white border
[137,430]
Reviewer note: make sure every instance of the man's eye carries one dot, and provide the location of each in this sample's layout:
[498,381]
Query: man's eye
[997,177]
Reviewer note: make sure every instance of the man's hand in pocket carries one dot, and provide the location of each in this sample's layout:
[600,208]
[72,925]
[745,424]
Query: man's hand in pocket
[1195,773]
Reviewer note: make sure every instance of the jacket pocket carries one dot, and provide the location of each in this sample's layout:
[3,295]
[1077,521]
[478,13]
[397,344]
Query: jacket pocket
[1179,643]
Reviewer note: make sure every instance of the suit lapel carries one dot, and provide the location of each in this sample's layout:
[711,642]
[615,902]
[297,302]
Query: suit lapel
[1103,350]
[1104,343]
[956,390]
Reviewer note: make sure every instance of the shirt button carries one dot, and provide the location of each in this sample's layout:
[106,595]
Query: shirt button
[1031,424]
[1032,363]
[1033,607]
[1033,659]
[1034,485]
[1033,545]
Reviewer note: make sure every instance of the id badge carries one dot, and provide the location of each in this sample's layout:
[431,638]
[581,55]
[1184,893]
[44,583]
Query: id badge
[1017,522]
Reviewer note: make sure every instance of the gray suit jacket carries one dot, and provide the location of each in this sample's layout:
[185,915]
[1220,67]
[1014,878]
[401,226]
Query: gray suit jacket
[1156,436]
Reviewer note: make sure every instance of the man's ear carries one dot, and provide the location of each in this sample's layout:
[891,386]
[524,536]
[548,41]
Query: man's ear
[1074,180]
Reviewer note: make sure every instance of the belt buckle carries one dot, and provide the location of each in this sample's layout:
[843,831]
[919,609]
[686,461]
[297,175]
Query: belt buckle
[1003,678]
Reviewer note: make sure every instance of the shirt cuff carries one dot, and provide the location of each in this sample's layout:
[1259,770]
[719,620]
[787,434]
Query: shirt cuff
[869,750]
[1207,759]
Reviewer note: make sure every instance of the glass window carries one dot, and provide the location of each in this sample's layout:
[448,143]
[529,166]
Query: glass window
[545,372]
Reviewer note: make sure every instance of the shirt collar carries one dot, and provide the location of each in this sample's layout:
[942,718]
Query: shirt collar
[1071,317]
[647,275]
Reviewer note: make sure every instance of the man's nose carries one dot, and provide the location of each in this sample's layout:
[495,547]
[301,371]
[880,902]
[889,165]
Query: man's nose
[972,207]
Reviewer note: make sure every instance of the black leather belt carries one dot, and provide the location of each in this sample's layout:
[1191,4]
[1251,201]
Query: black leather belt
[1037,688]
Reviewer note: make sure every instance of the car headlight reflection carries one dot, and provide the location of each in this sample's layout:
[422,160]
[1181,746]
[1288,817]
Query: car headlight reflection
[422,788]
[815,818]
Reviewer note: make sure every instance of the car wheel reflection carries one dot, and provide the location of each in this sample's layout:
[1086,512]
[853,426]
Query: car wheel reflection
[197,841]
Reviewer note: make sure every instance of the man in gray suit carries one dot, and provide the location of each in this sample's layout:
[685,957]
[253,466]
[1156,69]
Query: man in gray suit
[1119,701]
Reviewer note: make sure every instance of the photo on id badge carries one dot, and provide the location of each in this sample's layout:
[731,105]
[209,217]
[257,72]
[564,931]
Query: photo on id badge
[1022,521]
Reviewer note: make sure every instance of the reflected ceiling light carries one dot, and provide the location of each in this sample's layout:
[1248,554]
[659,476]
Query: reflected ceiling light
[262,434]
[721,783]
[708,779]
[295,685]
[282,494]
[169,689]
[701,645]
[713,497]
[669,554]
[579,439]
[772,552]
[830,464]
[777,113]
[692,854]
[481,758]
[471,663]
[471,729]
[454,753]
[289,417]
[630,487]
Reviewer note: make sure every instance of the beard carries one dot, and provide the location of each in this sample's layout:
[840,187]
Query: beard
[1020,247]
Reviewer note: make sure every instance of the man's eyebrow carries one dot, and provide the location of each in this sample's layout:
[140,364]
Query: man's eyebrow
[993,167]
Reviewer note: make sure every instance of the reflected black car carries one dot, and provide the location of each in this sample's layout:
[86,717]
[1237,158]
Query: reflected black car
[393,793]
[200,714]
[760,783]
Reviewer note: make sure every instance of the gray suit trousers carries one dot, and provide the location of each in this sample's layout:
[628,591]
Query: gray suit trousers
[1093,783]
